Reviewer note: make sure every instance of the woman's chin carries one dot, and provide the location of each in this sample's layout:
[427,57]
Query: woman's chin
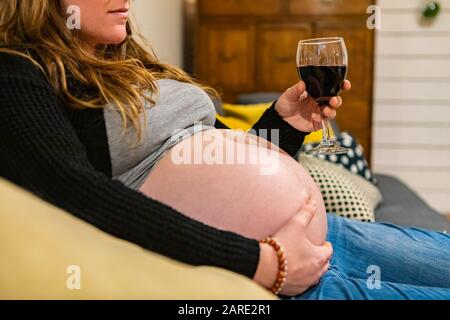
[116,35]
[117,40]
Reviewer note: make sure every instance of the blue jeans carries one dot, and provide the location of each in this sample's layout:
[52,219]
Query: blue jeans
[383,262]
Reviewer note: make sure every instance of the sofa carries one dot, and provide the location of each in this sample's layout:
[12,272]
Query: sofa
[403,206]
[48,254]
[42,247]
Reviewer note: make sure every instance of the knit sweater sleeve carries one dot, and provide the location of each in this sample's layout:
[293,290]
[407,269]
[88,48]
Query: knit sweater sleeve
[42,153]
[273,128]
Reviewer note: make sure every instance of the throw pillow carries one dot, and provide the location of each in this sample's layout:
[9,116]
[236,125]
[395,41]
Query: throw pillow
[344,193]
[353,161]
[242,116]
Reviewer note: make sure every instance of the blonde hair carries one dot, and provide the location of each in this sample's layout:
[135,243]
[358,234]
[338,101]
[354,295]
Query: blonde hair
[124,74]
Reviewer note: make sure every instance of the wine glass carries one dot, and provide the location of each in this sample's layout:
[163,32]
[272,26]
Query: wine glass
[322,65]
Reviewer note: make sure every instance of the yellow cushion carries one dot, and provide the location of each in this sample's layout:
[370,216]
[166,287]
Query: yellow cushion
[245,116]
[242,116]
[316,136]
[38,243]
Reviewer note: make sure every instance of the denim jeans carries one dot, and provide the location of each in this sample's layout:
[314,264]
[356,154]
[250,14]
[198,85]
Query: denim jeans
[383,262]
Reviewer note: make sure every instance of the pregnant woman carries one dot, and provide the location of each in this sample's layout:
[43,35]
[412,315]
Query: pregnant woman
[93,123]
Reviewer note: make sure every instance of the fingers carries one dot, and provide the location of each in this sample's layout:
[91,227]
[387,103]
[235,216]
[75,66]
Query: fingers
[336,102]
[324,269]
[305,216]
[325,252]
[347,85]
[294,93]
[329,113]
[322,272]
[316,117]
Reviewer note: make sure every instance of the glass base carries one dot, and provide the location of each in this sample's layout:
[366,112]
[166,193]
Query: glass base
[328,148]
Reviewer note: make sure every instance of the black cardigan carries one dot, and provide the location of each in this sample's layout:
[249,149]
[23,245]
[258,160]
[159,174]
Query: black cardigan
[62,156]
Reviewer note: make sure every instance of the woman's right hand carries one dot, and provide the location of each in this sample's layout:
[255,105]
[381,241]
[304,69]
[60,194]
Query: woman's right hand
[307,263]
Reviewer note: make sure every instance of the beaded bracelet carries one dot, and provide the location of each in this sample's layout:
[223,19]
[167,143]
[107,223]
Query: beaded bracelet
[282,264]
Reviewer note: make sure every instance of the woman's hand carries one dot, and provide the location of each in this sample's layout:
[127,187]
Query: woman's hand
[302,112]
[307,263]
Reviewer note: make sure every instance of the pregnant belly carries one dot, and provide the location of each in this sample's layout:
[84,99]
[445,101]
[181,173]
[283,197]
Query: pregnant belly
[235,182]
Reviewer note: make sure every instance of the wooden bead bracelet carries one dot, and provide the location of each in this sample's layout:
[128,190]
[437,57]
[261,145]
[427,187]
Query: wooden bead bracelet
[282,264]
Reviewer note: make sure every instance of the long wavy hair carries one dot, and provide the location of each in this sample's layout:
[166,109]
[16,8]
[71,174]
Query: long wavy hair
[124,74]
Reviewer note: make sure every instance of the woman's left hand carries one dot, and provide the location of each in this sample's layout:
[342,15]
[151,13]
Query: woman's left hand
[302,112]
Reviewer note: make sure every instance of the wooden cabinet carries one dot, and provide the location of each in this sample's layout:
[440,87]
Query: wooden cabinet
[275,56]
[239,7]
[328,7]
[228,56]
[242,46]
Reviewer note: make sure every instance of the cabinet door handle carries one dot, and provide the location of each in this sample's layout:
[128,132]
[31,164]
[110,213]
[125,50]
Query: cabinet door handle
[327,2]
[283,59]
[226,58]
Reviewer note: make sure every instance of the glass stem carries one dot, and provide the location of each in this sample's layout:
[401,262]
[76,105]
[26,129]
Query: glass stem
[326,134]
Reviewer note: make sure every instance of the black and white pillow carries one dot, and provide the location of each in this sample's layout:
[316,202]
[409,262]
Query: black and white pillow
[345,194]
[354,160]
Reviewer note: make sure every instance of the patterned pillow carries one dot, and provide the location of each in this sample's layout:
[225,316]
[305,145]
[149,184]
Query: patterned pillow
[344,193]
[353,161]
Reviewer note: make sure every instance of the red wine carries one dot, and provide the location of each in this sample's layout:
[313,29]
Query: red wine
[323,82]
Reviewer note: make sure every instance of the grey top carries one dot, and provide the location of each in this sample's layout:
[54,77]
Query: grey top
[179,107]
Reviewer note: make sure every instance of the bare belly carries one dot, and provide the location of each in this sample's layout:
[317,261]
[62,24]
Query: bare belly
[254,198]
